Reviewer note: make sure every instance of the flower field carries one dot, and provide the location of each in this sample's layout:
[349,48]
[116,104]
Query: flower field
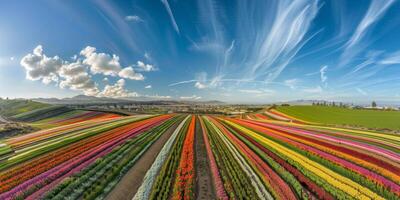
[87,155]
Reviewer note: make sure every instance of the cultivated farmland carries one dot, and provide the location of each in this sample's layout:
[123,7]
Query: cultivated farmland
[344,116]
[94,155]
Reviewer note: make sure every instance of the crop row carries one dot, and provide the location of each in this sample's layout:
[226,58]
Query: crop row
[100,177]
[153,182]
[51,168]
[318,169]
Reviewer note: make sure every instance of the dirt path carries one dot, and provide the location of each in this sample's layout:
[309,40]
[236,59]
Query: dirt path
[130,183]
[204,186]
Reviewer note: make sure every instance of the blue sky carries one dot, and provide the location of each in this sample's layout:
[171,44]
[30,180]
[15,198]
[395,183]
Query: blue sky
[233,51]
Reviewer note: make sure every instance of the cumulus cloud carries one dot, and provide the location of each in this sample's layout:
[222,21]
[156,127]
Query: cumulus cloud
[80,82]
[193,97]
[76,78]
[117,90]
[101,63]
[145,67]
[129,73]
[72,69]
[76,75]
[148,87]
[133,18]
[40,67]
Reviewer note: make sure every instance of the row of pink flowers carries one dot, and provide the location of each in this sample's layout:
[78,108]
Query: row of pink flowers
[344,163]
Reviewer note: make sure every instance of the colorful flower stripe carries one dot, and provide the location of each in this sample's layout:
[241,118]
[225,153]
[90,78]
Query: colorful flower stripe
[348,165]
[342,183]
[184,180]
[275,183]
[259,187]
[45,134]
[144,190]
[311,186]
[367,160]
[293,119]
[116,139]
[219,186]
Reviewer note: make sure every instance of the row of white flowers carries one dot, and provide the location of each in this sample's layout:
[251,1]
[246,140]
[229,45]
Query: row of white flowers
[148,180]
[261,191]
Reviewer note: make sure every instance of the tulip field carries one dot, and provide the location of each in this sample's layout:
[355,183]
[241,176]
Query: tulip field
[90,155]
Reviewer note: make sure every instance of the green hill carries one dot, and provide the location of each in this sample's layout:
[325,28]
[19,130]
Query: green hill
[11,107]
[343,116]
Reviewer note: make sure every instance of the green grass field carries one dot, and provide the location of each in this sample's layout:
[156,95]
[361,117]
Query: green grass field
[13,107]
[344,116]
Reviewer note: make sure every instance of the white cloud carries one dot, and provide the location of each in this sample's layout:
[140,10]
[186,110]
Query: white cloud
[75,75]
[171,15]
[317,89]
[391,59]
[322,71]
[193,97]
[117,90]
[145,67]
[72,69]
[76,78]
[200,85]
[133,18]
[40,67]
[148,56]
[101,63]
[148,87]
[129,73]
[376,10]
[359,90]
[279,40]
[291,83]
[80,82]
[12,58]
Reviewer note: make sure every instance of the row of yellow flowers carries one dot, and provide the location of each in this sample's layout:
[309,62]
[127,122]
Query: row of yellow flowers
[371,166]
[336,180]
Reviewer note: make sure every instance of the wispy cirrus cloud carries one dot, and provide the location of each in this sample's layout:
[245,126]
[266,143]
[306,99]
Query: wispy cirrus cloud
[278,40]
[323,75]
[171,15]
[353,46]
[359,90]
[391,59]
[133,18]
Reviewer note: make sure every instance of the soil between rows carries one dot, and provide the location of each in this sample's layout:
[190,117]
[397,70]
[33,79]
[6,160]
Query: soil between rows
[127,187]
[204,187]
